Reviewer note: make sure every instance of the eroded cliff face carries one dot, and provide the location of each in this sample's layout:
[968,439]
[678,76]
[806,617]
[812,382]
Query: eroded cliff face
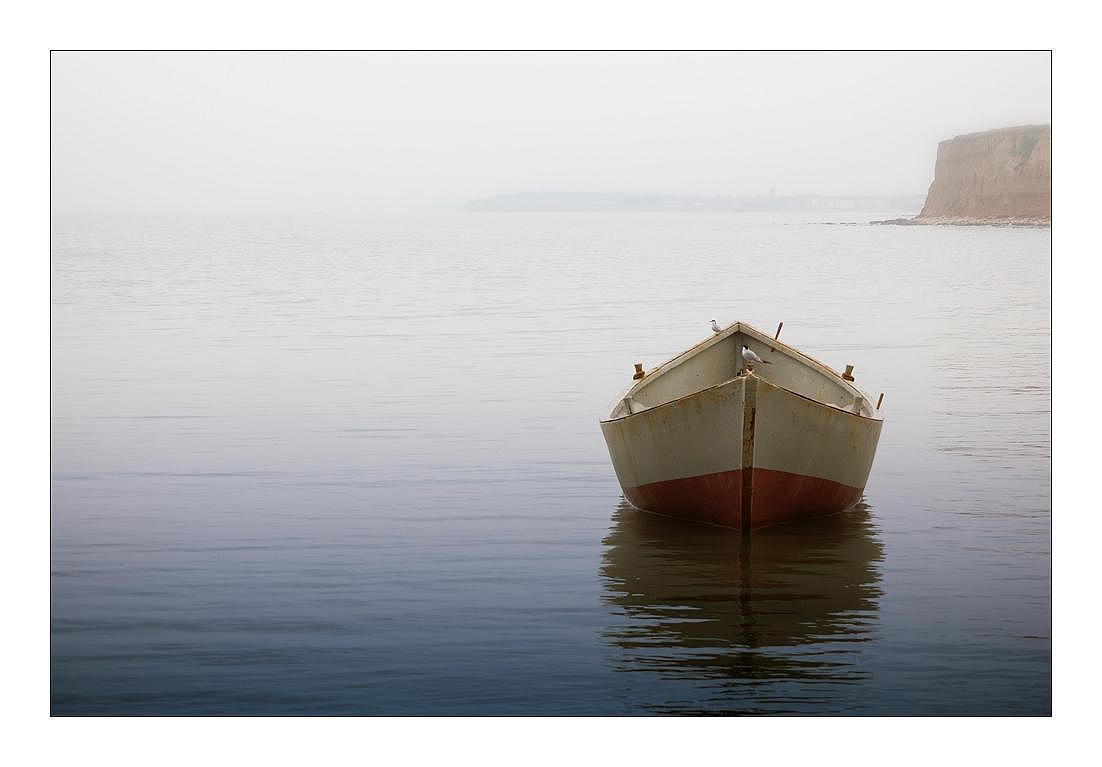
[998,176]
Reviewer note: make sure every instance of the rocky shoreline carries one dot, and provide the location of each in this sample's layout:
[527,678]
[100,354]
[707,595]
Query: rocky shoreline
[966,221]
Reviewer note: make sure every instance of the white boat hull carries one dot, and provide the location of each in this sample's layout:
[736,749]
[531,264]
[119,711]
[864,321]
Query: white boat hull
[746,452]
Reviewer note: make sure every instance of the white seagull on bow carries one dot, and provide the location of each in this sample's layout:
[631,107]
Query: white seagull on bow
[716,328]
[752,358]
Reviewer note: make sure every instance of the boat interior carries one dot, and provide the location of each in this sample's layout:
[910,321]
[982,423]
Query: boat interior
[719,359]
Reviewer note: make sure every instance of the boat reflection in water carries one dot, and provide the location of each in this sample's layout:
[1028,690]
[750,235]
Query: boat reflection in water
[714,622]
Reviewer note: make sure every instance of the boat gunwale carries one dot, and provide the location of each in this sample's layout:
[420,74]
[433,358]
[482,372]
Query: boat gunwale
[761,337]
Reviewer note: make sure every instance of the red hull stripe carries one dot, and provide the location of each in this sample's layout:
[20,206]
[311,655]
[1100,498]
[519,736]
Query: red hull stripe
[777,496]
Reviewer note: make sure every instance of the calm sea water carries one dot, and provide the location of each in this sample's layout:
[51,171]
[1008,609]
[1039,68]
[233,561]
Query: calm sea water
[338,465]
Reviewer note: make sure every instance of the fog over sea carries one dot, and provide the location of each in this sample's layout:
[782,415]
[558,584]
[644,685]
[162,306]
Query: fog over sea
[320,464]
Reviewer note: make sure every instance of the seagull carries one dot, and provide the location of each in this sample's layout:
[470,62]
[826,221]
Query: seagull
[752,358]
[716,328]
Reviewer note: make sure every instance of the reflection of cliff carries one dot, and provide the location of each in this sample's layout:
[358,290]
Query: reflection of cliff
[998,176]
[700,602]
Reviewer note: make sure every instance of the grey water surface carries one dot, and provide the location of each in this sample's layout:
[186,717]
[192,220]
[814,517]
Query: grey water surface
[323,464]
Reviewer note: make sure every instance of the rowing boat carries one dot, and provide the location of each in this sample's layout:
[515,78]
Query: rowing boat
[713,437]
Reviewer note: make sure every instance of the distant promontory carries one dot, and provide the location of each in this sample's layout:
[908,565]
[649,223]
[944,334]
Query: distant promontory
[529,202]
[997,177]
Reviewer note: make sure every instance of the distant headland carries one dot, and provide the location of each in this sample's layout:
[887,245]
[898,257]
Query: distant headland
[998,177]
[601,202]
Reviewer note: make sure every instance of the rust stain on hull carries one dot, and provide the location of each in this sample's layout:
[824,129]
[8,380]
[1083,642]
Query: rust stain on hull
[749,411]
[719,499]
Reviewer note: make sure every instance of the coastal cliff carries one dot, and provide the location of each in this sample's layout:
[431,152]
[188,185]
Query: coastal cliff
[999,176]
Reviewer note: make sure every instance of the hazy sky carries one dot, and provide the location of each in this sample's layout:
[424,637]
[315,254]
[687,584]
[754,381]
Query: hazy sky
[362,131]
